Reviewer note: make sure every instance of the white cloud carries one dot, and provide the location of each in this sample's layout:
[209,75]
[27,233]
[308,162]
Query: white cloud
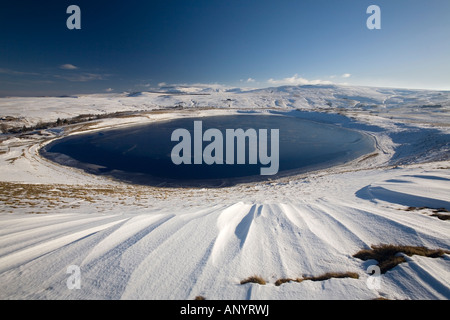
[193,87]
[109,90]
[250,80]
[346,75]
[68,66]
[295,80]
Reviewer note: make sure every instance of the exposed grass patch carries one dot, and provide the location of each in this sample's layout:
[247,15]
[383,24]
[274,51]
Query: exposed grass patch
[387,254]
[337,275]
[441,213]
[325,276]
[42,198]
[199,298]
[279,282]
[441,216]
[254,279]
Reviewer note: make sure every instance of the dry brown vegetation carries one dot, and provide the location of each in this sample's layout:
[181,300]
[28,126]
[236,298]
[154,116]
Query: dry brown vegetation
[387,254]
[325,276]
[44,198]
[329,275]
[254,279]
[441,216]
[441,213]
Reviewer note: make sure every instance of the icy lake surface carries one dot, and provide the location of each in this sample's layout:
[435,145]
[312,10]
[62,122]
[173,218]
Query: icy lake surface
[142,154]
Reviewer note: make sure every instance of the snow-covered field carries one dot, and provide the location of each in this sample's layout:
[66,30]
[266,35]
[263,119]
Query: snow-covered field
[137,242]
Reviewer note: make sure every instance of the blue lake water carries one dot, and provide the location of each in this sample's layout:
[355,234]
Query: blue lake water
[142,154]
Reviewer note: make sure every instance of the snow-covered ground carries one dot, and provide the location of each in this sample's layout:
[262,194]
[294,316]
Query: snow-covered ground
[138,242]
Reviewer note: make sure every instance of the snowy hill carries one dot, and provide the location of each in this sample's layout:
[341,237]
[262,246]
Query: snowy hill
[137,242]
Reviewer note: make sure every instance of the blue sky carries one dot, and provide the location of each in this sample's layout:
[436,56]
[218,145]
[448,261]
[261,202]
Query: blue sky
[135,45]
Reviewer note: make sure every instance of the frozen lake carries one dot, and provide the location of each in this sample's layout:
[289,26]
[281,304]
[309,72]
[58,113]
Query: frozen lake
[142,154]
